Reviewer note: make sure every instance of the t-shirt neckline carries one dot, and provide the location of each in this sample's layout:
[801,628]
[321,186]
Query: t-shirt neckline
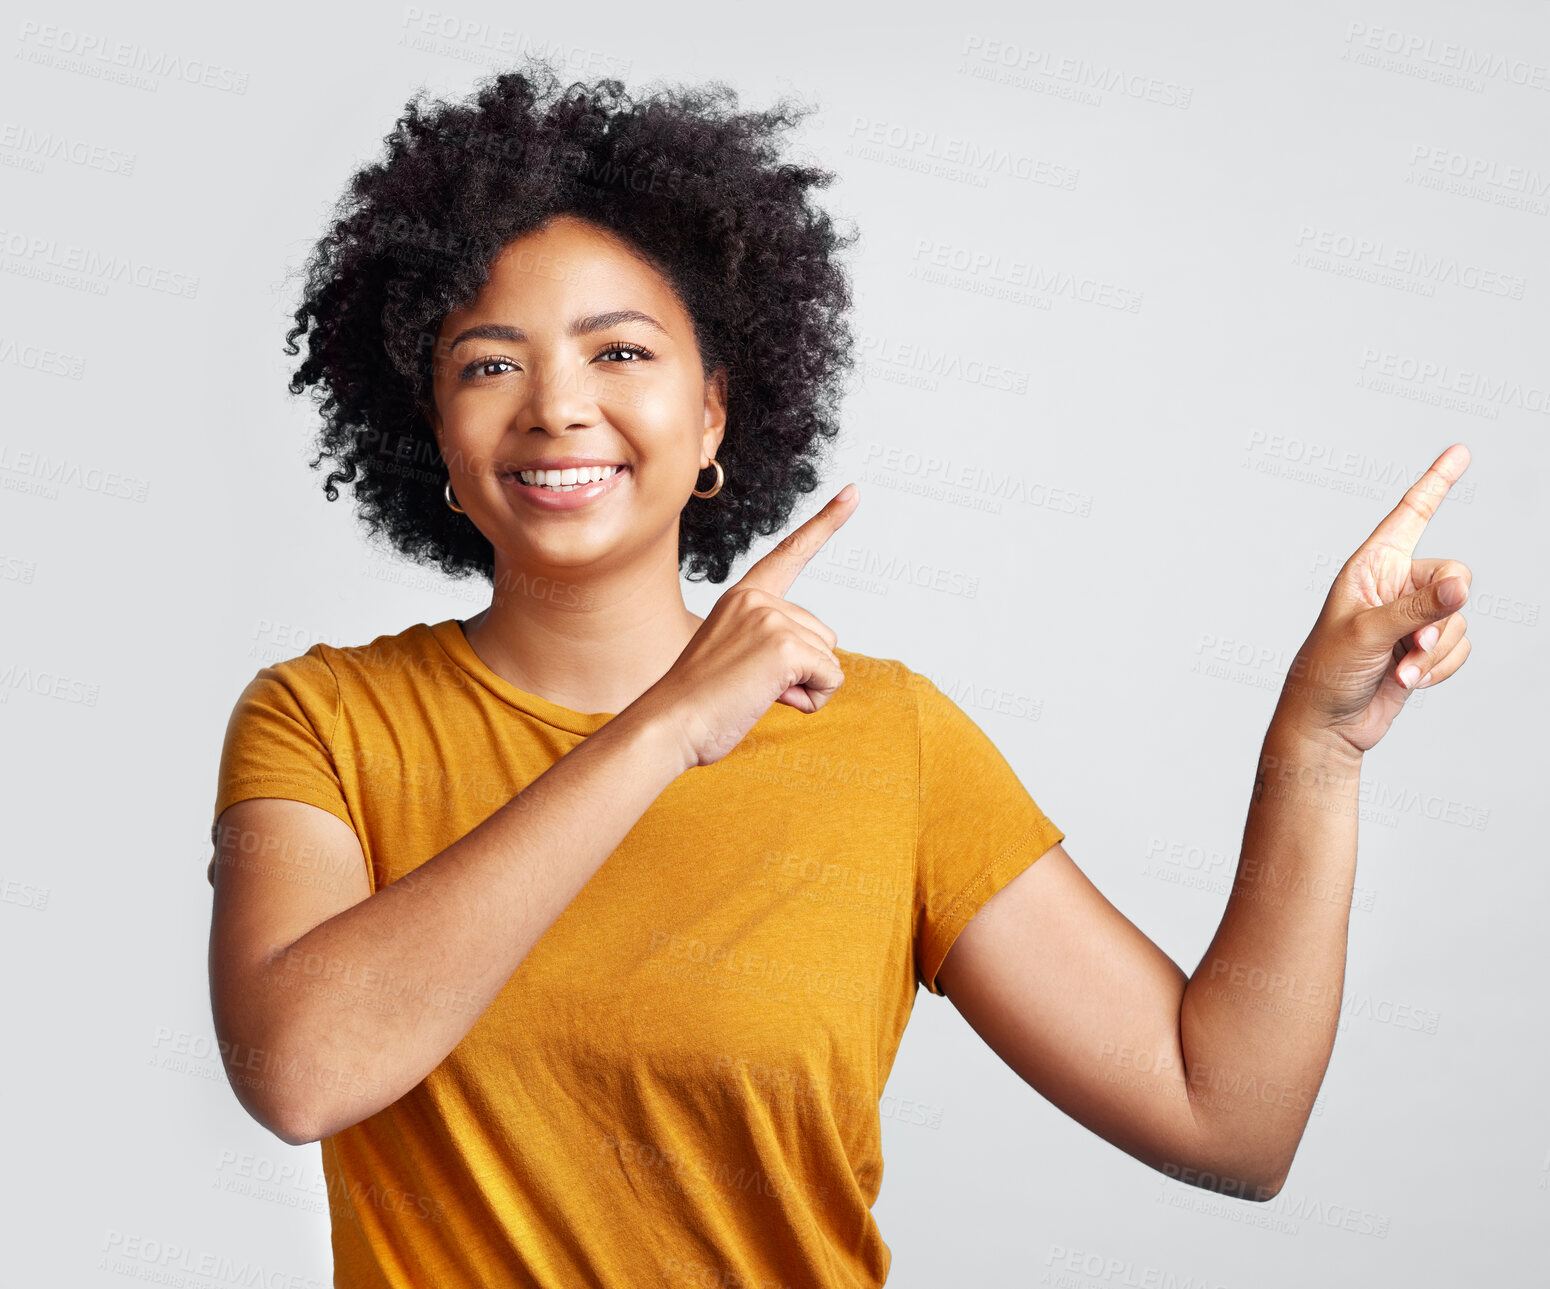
[451,637]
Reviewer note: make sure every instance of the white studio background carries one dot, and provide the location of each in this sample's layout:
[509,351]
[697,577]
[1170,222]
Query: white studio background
[1161,312]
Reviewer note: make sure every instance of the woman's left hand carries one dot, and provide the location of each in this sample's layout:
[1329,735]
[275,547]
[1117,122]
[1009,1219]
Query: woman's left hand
[1389,625]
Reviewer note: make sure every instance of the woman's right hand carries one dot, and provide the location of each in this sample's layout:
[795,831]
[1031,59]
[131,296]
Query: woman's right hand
[755,649]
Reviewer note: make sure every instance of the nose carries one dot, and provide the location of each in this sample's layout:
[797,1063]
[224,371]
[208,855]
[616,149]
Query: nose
[559,395]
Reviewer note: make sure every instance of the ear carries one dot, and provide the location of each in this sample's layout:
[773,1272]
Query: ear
[715,413]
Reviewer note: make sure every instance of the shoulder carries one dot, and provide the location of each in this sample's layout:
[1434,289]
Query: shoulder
[922,710]
[318,676]
[882,685]
[407,651]
[411,651]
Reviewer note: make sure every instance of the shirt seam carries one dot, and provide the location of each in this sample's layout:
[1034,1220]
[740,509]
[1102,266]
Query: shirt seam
[248,780]
[272,776]
[985,877]
[333,733]
[475,678]
[920,739]
[981,878]
[333,729]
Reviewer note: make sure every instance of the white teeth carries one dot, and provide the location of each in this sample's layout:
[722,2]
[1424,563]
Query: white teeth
[565,480]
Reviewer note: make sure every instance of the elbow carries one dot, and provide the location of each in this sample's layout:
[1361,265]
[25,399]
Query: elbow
[1270,1189]
[294,1136]
[1236,1161]
[265,1077]
[1261,1185]
[1270,1179]
[284,1110]
[300,1122]
[292,1128]
[295,1119]
[273,1080]
[293,1124]
[1254,1185]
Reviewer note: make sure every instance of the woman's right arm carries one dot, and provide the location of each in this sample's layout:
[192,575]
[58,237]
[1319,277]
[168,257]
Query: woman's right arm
[331,1002]
[314,1036]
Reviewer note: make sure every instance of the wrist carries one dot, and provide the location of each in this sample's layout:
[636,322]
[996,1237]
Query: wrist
[1311,741]
[659,727]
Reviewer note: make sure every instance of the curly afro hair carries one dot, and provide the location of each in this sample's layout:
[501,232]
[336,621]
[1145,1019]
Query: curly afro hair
[694,186]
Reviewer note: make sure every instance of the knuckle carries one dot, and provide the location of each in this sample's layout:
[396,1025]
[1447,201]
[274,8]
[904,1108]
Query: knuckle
[788,546]
[793,652]
[1362,631]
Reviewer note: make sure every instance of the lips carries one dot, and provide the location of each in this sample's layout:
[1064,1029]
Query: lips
[515,476]
[572,497]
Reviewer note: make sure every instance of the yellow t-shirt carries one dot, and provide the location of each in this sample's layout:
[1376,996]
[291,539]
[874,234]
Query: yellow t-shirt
[680,1084]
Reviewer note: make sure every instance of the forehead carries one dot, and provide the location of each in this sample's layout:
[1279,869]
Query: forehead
[572,266]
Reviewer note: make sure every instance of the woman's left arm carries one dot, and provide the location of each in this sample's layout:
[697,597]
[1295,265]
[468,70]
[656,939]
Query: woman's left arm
[1212,1078]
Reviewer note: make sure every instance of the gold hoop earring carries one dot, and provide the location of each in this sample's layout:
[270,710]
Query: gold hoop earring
[448,492]
[721,478]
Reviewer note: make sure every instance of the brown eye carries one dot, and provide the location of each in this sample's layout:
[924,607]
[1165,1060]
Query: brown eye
[624,346]
[476,368]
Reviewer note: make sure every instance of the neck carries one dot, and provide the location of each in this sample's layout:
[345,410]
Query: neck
[588,640]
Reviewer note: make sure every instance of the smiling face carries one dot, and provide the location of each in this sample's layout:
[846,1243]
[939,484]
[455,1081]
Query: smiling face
[574,350]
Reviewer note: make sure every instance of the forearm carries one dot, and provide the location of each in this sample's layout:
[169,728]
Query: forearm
[1259,1015]
[382,992]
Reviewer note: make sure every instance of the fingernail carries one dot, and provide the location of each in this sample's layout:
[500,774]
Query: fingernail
[1427,639]
[1452,593]
[1425,681]
[1409,674]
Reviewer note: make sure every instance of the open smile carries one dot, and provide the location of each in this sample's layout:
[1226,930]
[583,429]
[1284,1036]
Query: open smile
[565,489]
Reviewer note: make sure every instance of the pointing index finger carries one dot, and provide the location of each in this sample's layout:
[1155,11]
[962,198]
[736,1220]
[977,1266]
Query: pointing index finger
[1401,528]
[779,568]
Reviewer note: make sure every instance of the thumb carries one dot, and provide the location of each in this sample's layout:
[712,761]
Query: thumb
[1390,623]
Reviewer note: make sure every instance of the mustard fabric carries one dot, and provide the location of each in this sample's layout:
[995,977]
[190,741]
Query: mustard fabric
[680,1085]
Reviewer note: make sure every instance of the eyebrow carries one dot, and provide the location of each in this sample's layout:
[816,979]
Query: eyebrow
[580,327]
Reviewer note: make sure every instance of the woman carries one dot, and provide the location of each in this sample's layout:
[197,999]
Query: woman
[582,934]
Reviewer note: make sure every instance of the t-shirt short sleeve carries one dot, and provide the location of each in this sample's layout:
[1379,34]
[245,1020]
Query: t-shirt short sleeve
[978,827]
[279,740]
